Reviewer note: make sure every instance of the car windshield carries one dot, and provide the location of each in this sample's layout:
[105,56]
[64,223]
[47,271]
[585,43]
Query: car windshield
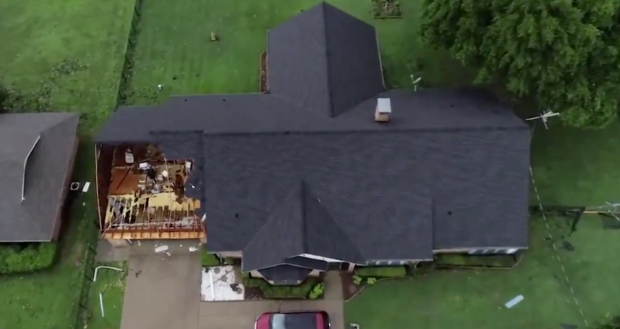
[277,321]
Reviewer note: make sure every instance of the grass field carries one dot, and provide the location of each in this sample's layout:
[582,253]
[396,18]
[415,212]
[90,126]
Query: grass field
[474,299]
[39,39]
[174,47]
[572,167]
[39,36]
[111,285]
[49,299]
[577,167]
[592,268]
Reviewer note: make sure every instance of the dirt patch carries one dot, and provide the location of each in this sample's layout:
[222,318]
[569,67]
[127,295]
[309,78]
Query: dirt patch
[383,9]
[253,293]
[349,289]
[263,73]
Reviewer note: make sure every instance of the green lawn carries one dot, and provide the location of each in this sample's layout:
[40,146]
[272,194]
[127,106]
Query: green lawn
[174,47]
[577,167]
[49,299]
[592,267]
[571,167]
[38,36]
[111,285]
[474,299]
[69,52]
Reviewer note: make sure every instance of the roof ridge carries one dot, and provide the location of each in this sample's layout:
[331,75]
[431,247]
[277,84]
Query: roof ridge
[330,218]
[330,104]
[304,221]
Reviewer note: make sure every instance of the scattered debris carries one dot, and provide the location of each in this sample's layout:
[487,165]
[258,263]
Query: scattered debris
[101,304]
[138,273]
[103,266]
[160,249]
[214,36]
[86,186]
[193,249]
[160,87]
[511,303]
[74,186]
[220,284]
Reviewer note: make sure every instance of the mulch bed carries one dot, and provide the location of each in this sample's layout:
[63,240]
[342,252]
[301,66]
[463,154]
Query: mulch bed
[263,73]
[252,293]
[349,289]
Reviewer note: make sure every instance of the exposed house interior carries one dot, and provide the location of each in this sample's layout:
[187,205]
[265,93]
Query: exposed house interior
[142,194]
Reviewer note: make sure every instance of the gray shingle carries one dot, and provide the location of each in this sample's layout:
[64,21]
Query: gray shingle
[48,165]
[285,274]
[324,60]
[449,170]
[282,234]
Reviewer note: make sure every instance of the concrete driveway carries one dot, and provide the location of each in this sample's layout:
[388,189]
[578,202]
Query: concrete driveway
[241,315]
[163,292]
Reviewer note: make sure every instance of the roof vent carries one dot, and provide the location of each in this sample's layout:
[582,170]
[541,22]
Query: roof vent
[383,110]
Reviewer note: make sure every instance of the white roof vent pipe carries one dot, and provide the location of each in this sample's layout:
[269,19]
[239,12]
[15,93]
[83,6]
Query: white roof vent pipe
[383,110]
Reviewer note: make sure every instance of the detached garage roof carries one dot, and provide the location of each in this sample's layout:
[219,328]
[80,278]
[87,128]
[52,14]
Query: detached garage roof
[36,150]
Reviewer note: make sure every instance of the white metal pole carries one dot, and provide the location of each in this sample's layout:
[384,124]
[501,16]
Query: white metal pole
[101,304]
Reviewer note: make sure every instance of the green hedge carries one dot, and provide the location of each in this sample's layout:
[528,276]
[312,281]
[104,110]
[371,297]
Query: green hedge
[207,259]
[300,291]
[33,257]
[381,271]
[475,260]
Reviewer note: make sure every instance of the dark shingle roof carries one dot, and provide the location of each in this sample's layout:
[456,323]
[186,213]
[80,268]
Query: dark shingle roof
[47,140]
[298,225]
[285,274]
[450,169]
[282,235]
[324,60]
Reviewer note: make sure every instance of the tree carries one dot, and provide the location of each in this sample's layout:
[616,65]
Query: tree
[565,53]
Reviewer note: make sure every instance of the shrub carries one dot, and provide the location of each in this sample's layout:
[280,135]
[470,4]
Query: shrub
[357,280]
[475,260]
[317,291]
[300,291]
[381,271]
[207,259]
[16,258]
[613,323]
[230,261]
[371,281]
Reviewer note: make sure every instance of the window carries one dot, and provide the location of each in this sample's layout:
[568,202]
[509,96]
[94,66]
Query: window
[511,251]
[277,321]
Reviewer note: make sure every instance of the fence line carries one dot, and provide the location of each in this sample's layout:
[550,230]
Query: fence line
[122,96]
[87,268]
[85,277]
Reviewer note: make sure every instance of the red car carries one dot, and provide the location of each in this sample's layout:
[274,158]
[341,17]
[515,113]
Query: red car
[293,320]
